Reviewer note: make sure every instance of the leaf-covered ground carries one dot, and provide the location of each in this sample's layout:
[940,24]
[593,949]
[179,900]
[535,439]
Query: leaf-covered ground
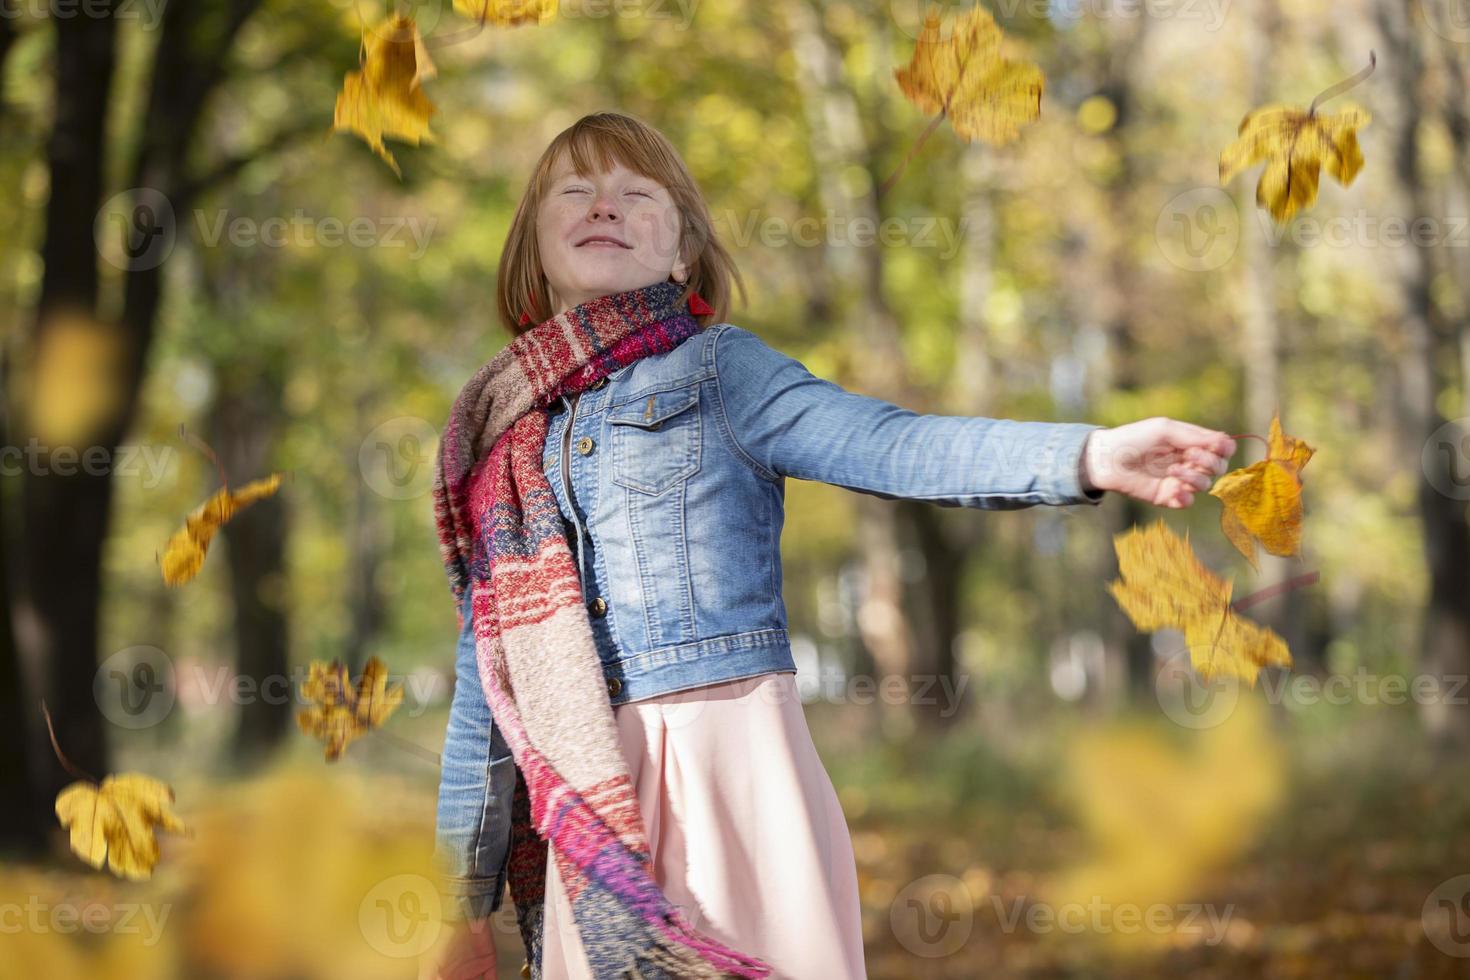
[1332,882]
[1286,846]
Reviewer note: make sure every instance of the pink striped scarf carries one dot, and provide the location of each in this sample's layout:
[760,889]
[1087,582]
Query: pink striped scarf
[501,536]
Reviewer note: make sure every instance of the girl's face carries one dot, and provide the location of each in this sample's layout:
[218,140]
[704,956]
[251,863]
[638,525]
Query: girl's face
[606,233]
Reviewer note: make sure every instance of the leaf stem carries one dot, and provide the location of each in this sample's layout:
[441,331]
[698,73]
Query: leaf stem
[893,178]
[1344,85]
[1249,435]
[209,453]
[1270,592]
[61,756]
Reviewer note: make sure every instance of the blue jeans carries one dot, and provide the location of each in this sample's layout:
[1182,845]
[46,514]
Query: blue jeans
[477,780]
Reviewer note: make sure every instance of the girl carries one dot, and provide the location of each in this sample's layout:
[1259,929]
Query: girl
[633,698]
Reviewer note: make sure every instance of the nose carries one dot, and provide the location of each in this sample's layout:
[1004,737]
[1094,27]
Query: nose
[603,207]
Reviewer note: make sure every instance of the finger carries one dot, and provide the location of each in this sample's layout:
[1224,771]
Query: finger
[1188,434]
[1173,492]
[1191,475]
[1207,461]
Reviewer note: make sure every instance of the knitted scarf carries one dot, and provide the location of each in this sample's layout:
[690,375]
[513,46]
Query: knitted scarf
[501,536]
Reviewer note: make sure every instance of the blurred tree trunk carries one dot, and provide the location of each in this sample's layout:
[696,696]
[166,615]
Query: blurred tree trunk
[1429,344]
[1108,294]
[64,516]
[242,423]
[21,830]
[971,391]
[909,614]
[8,14]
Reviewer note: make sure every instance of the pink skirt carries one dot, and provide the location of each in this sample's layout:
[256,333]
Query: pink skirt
[745,829]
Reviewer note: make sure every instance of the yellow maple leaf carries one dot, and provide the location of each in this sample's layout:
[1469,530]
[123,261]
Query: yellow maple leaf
[183,556]
[342,712]
[386,98]
[507,13]
[1295,143]
[1164,585]
[114,823]
[1263,501]
[966,78]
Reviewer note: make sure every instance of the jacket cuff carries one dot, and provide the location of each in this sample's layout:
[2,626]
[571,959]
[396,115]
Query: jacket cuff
[1061,484]
[472,899]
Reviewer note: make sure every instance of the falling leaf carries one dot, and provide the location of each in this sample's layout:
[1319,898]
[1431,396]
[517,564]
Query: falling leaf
[507,13]
[77,378]
[340,712]
[966,78]
[1263,501]
[183,556]
[114,823]
[1164,586]
[385,98]
[1295,143]
[1159,815]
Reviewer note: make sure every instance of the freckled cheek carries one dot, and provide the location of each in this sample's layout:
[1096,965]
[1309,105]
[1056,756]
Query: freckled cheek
[656,233]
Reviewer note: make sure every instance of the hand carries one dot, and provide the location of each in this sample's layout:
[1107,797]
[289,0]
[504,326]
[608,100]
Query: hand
[1161,461]
[467,953]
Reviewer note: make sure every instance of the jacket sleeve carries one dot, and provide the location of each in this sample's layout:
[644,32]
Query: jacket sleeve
[784,421]
[477,779]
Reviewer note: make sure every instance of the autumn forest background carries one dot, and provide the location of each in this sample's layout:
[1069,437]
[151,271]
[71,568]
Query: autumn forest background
[201,281]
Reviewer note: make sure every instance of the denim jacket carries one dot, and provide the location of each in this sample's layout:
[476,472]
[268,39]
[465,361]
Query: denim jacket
[670,474]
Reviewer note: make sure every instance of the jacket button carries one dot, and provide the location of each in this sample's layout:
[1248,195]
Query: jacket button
[584,445]
[614,685]
[598,384]
[597,606]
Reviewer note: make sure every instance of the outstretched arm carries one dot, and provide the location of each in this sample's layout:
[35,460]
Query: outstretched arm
[785,421]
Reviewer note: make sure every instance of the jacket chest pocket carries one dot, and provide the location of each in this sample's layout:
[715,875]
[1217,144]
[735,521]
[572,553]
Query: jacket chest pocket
[655,440]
